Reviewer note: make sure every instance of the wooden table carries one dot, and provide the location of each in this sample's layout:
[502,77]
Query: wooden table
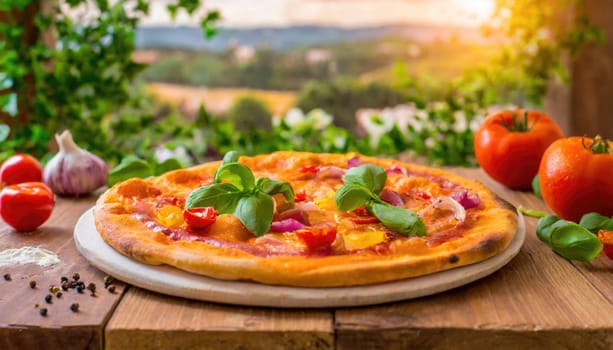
[537,301]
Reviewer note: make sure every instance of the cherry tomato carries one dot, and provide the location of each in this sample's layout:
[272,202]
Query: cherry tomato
[606,238]
[199,218]
[509,145]
[317,238]
[20,168]
[576,177]
[27,205]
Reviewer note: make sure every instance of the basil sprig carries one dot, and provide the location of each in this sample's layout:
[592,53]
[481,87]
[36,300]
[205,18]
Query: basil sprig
[236,191]
[363,184]
[570,240]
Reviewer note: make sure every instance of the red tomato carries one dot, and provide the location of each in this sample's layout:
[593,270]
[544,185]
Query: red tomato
[20,168]
[27,205]
[576,177]
[309,169]
[509,145]
[199,218]
[317,238]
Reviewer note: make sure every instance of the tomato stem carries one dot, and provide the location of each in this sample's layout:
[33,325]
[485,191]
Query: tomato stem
[519,122]
[599,145]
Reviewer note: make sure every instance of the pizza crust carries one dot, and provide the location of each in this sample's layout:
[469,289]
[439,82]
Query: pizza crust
[494,226]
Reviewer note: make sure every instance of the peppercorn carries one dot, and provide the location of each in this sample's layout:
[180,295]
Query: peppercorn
[91,287]
[65,286]
[36,305]
[7,276]
[43,311]
[80,288]
[32,284]
[58,295]
[112,289]
[76,276]
[108,280]
[48,298]
[54,289]
[63,279]
[74,307]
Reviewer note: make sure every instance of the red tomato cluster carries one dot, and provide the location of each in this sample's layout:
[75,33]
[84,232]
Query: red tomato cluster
[25,202]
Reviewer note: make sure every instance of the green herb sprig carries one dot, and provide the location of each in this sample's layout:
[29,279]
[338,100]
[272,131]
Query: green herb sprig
[236,191]
[571,240]
[363,184]
[132,166]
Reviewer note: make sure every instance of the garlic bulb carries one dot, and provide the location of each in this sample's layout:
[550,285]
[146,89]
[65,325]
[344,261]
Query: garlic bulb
[74,171]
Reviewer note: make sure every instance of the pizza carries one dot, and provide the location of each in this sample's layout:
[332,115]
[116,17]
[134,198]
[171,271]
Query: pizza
[306,219]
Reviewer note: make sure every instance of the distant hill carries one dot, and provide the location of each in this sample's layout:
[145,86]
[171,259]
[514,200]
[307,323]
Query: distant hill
[283,38]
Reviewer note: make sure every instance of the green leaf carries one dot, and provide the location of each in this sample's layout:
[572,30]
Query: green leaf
[595,222]
[370,176]
[5,130]
[351,197]
[222,197]
[237,174]
[130,167]
[270,186]
[536,187]
[167,165]
[575,242]
[543,227]
[230,157]
[255,212]
[397,219]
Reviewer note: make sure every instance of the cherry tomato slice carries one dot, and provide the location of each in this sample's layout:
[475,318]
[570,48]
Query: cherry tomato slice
[363,216]
[309,169]
[317,238]
[199,218]
[20,168]
[27,205]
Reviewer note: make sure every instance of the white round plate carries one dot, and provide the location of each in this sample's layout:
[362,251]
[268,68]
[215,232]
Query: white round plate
[169,280]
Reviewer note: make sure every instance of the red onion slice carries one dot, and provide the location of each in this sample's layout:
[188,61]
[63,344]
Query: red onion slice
[467,200]
[450,204]
[297,214]
[287,225]
[353,162]
[397,170]
[330,172]
[391,197]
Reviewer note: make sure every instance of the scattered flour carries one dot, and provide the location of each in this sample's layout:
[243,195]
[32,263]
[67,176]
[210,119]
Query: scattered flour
[28,255]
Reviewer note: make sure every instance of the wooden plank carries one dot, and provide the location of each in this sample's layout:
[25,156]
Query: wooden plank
[21,325]
[538,300]
[145,320]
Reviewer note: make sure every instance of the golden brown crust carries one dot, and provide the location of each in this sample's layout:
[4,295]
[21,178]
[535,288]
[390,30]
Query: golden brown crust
[492,227]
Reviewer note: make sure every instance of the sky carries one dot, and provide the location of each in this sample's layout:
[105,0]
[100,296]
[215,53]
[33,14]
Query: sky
[275,13]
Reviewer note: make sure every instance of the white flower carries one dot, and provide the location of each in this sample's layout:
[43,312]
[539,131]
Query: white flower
[163,153]
[429,142]
[318,119]
[460,124]
[421,114]
[294,118]
[340,142]
[376,123]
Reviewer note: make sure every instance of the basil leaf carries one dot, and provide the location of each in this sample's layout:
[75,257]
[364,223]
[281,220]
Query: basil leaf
[543,227]
[351,197]
[536,187]
[230,157]
[270,186]
[370,176]
[237,174]
[255,212]
[167,165]
[595,222]
[397,219]
[222,197]
[129,167]
[575,242]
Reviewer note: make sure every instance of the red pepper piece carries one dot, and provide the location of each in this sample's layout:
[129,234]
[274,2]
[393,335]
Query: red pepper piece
[309,169]
[317,238]
[300,197]
[363,216]
[199,218]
